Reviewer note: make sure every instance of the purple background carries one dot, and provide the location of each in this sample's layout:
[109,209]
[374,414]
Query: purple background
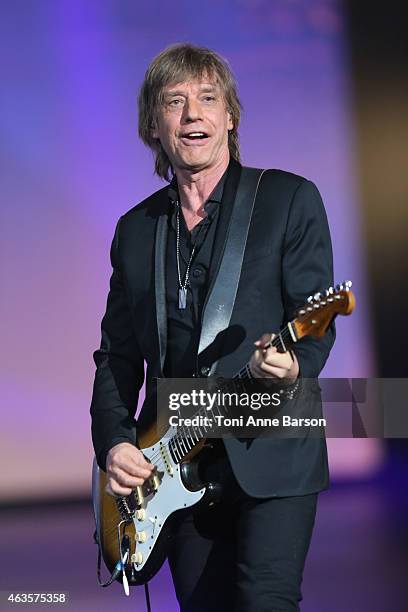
[72,164]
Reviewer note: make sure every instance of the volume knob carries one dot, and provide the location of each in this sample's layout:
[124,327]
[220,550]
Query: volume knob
[141,536]
[137,558]
[141,514]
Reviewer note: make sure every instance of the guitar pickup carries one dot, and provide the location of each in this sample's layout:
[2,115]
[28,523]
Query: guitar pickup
[155,482]
[166,459]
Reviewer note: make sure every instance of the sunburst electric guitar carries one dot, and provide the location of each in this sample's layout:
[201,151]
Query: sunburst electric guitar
[133,532]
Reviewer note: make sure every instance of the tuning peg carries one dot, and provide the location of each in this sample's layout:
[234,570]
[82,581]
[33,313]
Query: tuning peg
[348,284]
[339,287]
[317,296]
[329,291]
[310,299]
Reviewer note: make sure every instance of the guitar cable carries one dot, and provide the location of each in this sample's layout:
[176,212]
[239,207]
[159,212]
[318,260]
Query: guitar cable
[115,574]
[147,596]
[116,571]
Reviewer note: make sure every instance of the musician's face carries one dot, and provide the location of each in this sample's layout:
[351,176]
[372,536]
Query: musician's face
[192,124]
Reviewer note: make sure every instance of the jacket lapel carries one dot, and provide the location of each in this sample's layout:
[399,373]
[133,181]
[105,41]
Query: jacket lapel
[160,282]
[226,206]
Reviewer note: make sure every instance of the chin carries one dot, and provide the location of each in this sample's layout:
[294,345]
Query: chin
[195,164]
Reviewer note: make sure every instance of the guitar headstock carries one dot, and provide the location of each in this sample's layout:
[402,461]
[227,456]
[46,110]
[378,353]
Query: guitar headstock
[315,316]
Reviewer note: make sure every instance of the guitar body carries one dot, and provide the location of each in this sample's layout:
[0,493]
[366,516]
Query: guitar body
[133,532]
[147,513]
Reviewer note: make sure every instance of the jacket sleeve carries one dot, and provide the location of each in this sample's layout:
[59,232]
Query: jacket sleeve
[307,267]
[119,369]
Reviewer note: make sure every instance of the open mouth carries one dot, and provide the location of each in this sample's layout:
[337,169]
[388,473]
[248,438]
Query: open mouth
[194,136]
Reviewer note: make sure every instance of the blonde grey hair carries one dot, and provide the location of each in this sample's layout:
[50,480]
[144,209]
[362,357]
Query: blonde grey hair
[175,64]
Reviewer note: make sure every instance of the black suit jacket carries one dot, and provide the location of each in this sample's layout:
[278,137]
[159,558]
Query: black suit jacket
[288,256]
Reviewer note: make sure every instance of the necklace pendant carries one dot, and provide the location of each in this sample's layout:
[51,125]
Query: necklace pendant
[182,298]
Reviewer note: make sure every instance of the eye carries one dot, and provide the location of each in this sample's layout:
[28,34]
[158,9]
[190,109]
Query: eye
[209,98]
[175,102]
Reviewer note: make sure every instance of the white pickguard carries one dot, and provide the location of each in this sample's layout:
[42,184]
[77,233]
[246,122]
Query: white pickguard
[171,495]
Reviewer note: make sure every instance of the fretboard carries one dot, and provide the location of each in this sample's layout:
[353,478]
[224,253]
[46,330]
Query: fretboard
[186,438]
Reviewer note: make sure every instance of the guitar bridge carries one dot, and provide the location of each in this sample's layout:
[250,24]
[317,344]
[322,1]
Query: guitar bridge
[127,507]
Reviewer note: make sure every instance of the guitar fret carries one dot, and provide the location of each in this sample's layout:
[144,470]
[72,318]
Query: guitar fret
[170,447]
[187,439]
[282,342]
[292,333]
[179,449]
[182,447]
[176,451]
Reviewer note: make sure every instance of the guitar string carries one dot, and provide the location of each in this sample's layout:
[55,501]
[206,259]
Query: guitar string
[182,432]
[157,459]
[180,435]
[284,337]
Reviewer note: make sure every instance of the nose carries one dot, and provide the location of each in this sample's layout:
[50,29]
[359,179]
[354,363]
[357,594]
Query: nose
[191,111]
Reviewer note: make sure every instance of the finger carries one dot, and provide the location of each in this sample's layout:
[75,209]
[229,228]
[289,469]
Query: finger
[133,466]
[143,462]
[273,370]
[129,470]
[124,474]
[127,480]
[279,360]
[130,454]
[256,360]
[265,339]
[117,491]
[139,459]
[272,366]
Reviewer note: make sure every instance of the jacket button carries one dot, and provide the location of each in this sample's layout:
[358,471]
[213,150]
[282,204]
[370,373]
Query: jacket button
[204,371]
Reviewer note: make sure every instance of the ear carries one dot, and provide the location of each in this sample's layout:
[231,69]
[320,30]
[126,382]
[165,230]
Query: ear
[230,121]
[153,129]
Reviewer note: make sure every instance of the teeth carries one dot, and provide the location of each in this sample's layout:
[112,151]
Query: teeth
[193,134]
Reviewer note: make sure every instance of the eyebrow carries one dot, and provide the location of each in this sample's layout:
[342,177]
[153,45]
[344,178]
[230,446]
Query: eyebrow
[179,92]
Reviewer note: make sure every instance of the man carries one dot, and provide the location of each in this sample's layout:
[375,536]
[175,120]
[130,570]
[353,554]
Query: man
[248,552]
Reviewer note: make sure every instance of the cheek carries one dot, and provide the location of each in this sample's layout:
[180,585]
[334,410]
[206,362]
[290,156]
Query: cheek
[223,122]
[168,142]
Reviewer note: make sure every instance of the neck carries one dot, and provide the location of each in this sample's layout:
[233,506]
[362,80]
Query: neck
[195,187]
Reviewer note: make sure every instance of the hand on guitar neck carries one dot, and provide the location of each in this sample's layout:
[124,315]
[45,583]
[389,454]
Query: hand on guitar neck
[126,469]
[267,362]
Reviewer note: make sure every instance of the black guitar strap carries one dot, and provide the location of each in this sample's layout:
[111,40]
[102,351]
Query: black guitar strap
[221,301]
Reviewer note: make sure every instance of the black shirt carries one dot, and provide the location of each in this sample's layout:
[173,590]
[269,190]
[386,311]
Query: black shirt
[184,325]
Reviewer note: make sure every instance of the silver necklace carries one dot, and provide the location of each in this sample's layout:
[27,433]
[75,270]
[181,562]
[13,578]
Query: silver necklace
[182,292]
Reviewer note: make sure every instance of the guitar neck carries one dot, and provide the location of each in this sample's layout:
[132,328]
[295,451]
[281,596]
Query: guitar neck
[186,438]
[312,319]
